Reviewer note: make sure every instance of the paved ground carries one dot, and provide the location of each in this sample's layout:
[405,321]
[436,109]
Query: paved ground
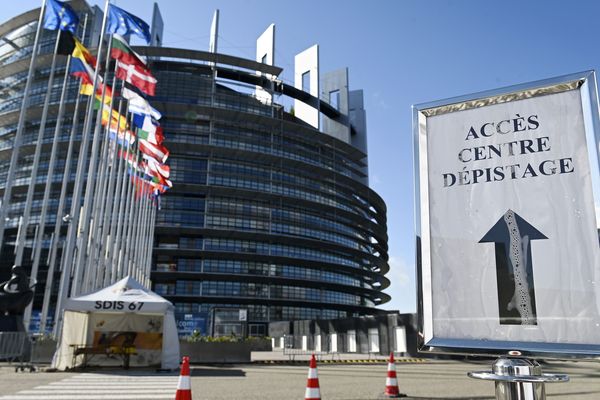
[429,380]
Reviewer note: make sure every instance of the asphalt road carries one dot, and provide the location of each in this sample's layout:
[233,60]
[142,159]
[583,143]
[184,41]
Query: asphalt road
[429,380]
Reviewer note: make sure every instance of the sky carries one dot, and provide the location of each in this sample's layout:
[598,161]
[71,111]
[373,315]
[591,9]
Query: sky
[400,52]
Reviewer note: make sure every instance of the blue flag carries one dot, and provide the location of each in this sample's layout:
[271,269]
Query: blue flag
[61,16]
[121,22]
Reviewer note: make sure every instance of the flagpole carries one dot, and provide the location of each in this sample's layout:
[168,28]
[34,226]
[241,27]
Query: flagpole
[143,231]
[50,177]
[148,246]
[89,191]
[131,234]
[134,228]
[116,223]
[63,193]
[71,239]
[108,207]
[123,236]
[34,169]
[151,241]
[18,140]
[66,261]
[93,270]
[138,226]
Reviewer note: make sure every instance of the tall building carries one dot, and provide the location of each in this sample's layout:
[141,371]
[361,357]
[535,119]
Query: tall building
[270,217]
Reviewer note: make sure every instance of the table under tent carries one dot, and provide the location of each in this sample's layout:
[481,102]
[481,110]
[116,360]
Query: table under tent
[122,324]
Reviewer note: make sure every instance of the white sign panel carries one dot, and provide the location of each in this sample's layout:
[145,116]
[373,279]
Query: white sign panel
[507,196]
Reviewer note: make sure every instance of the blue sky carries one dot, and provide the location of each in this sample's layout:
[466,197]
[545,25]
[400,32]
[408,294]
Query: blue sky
[400,53]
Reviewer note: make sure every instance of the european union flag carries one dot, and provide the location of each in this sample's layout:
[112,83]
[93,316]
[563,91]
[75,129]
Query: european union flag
[61,16]
[124,23]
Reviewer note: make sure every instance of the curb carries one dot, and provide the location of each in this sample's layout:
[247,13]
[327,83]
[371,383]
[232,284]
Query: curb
[357,361]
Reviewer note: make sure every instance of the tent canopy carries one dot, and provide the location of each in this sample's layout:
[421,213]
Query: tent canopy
[125,307]
[126,295]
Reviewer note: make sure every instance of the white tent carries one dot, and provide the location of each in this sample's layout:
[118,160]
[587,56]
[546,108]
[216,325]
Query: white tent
[123,311]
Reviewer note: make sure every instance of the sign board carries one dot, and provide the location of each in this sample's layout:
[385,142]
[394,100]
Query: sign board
[188,323]
[243,315]
[507,193]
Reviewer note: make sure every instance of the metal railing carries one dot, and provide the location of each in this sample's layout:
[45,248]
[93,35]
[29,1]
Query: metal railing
[325,345]
[13,347]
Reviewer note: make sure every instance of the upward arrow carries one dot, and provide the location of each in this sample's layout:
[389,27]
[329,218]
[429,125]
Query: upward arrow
[514,270]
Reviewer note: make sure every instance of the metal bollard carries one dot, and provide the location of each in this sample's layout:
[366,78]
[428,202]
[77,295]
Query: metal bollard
[518,379]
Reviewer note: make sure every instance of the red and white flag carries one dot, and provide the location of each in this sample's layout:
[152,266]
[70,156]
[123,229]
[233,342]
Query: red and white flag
[154,165]
[137,76]
[158,152]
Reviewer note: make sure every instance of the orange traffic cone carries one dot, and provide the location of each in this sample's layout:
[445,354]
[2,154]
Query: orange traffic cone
[312,384]
[184,387]
[391,382]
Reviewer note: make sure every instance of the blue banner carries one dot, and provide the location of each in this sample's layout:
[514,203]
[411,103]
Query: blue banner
[188,323]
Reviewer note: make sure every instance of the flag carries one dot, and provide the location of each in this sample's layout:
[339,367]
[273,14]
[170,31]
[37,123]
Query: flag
[83,63]
[124,137]
[144,186]
[87,87]
[156,196]
[158,152]
[139,77]
[130,158]
[60,15]
[156,177]
[66,43]
[83,53]
[139,105]
[121,51]
[154,165]
[149,129]
[121,22]
[155,137]
[114,115]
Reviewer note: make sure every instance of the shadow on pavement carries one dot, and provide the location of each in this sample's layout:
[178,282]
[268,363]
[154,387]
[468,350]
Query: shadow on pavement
[451,398]
[195,371]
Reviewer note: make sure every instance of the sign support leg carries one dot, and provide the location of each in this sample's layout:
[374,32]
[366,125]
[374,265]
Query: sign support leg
[518,379]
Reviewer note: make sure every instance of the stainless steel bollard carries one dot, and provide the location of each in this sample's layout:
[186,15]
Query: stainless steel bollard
[518,379]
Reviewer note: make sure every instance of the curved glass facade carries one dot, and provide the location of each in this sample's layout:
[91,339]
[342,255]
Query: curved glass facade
[266,214]
[261,216]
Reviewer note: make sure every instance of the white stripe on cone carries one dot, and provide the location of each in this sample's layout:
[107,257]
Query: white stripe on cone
[391,382]
[312,393]
[312,373]
[184,383]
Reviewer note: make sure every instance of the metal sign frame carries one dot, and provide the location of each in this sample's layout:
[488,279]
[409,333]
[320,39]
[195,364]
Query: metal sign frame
[427,341]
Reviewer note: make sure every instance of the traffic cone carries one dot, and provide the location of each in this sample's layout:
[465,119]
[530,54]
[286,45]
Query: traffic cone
[391,382]
[312,384]
[184,387]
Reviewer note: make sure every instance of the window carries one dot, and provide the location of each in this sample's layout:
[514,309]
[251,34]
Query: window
[334,99]
[306,81]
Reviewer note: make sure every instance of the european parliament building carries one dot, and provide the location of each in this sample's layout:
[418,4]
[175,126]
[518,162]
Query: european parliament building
[270,217]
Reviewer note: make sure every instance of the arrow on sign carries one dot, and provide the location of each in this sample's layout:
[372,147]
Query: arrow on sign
[512,236]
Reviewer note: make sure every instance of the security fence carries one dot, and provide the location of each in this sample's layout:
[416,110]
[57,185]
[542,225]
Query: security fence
[364,342]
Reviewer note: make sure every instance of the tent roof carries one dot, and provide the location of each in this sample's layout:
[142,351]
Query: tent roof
[126,295]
